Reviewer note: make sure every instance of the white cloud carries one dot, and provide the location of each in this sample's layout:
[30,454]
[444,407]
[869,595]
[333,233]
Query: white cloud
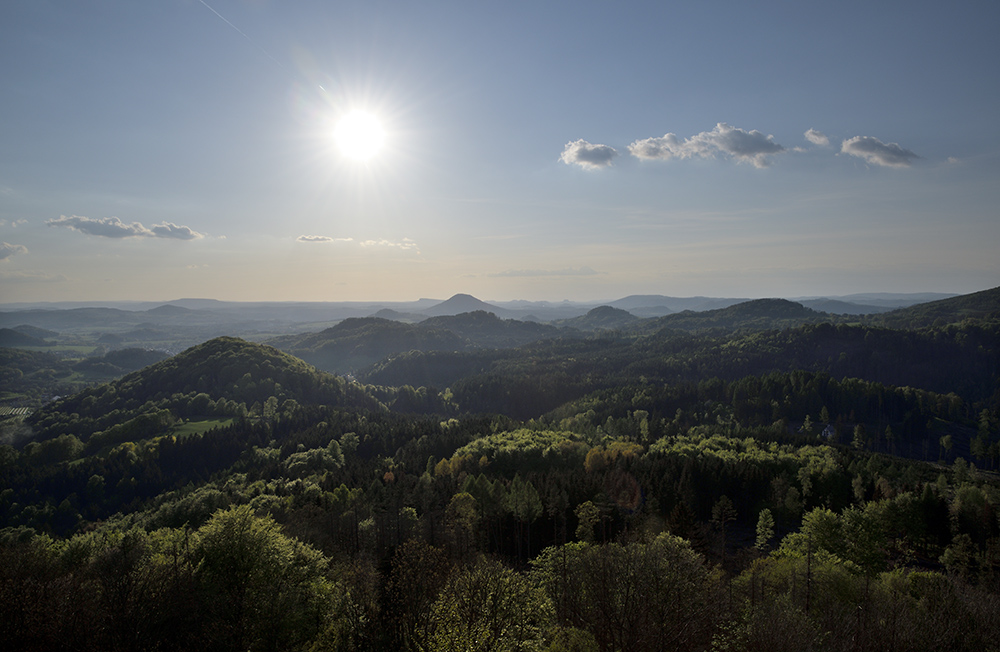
[406,244]
[7,250]
[582,271]
[817,137]
[171,230]
[751,147]
[112,227]
[876,152]
[321,238]
[587,155]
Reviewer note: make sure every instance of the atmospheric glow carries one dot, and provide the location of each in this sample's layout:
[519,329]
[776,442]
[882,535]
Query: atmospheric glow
[359,135]
[399,150]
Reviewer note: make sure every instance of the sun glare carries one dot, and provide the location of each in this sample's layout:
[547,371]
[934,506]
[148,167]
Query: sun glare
[359,135]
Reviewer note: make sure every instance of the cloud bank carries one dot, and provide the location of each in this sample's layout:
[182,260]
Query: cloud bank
[7,250]
[112,227]
[876,152]
[587,155]
[751,147]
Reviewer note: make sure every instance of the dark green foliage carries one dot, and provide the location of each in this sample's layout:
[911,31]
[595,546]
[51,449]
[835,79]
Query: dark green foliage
[120,362]
[222,377]
[485,330]
[358,342]
[565,462]
[984,305]
[13,338]
[759,314]
[601,318]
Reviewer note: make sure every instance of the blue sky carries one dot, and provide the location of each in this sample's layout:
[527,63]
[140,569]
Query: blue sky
[544,150]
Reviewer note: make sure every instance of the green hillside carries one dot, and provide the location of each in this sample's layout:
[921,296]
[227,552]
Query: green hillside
[777,483]
[358,342]
[758,314]
[486,330]
[222,377]
[983,305]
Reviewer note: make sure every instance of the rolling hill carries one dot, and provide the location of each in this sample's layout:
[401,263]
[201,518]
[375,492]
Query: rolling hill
[757,314]
[359,342]
[984,305]
[229,373]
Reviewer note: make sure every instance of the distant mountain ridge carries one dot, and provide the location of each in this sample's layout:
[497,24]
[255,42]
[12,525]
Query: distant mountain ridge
[601,318]
[486,329]
[460,303]
[357,343]
[757,314]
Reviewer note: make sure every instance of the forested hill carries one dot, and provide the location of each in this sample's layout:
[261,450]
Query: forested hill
[225,376]
[486,330]
[601,318]
[14,338]
[799,486]
[531,380]
[758,314]
[358,342]
[983,305]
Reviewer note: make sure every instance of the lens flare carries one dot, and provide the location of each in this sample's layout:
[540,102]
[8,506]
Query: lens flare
[359,135]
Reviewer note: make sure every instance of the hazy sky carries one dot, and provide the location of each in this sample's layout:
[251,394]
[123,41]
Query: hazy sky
[537,150]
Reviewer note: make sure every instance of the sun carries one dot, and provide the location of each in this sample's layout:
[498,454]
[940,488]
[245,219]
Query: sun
[359,135]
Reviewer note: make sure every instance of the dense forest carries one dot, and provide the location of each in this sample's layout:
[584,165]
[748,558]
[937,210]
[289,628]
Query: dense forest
[758,477]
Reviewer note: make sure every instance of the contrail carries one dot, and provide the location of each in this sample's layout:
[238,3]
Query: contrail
[243,34]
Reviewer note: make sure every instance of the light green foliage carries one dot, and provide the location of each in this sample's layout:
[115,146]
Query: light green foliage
[61,449]
[488,607]
[349,442]
[765,530]
[310,462]
[521,447]
[748,450]
[262,586]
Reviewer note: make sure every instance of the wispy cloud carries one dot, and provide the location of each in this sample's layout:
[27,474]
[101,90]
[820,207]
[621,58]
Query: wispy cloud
[587,155]
[7,250]
[817,137]
[321,238]
[876,152]
[112,227]
[30,277]
[580,271]
[406,244]
[751,147]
